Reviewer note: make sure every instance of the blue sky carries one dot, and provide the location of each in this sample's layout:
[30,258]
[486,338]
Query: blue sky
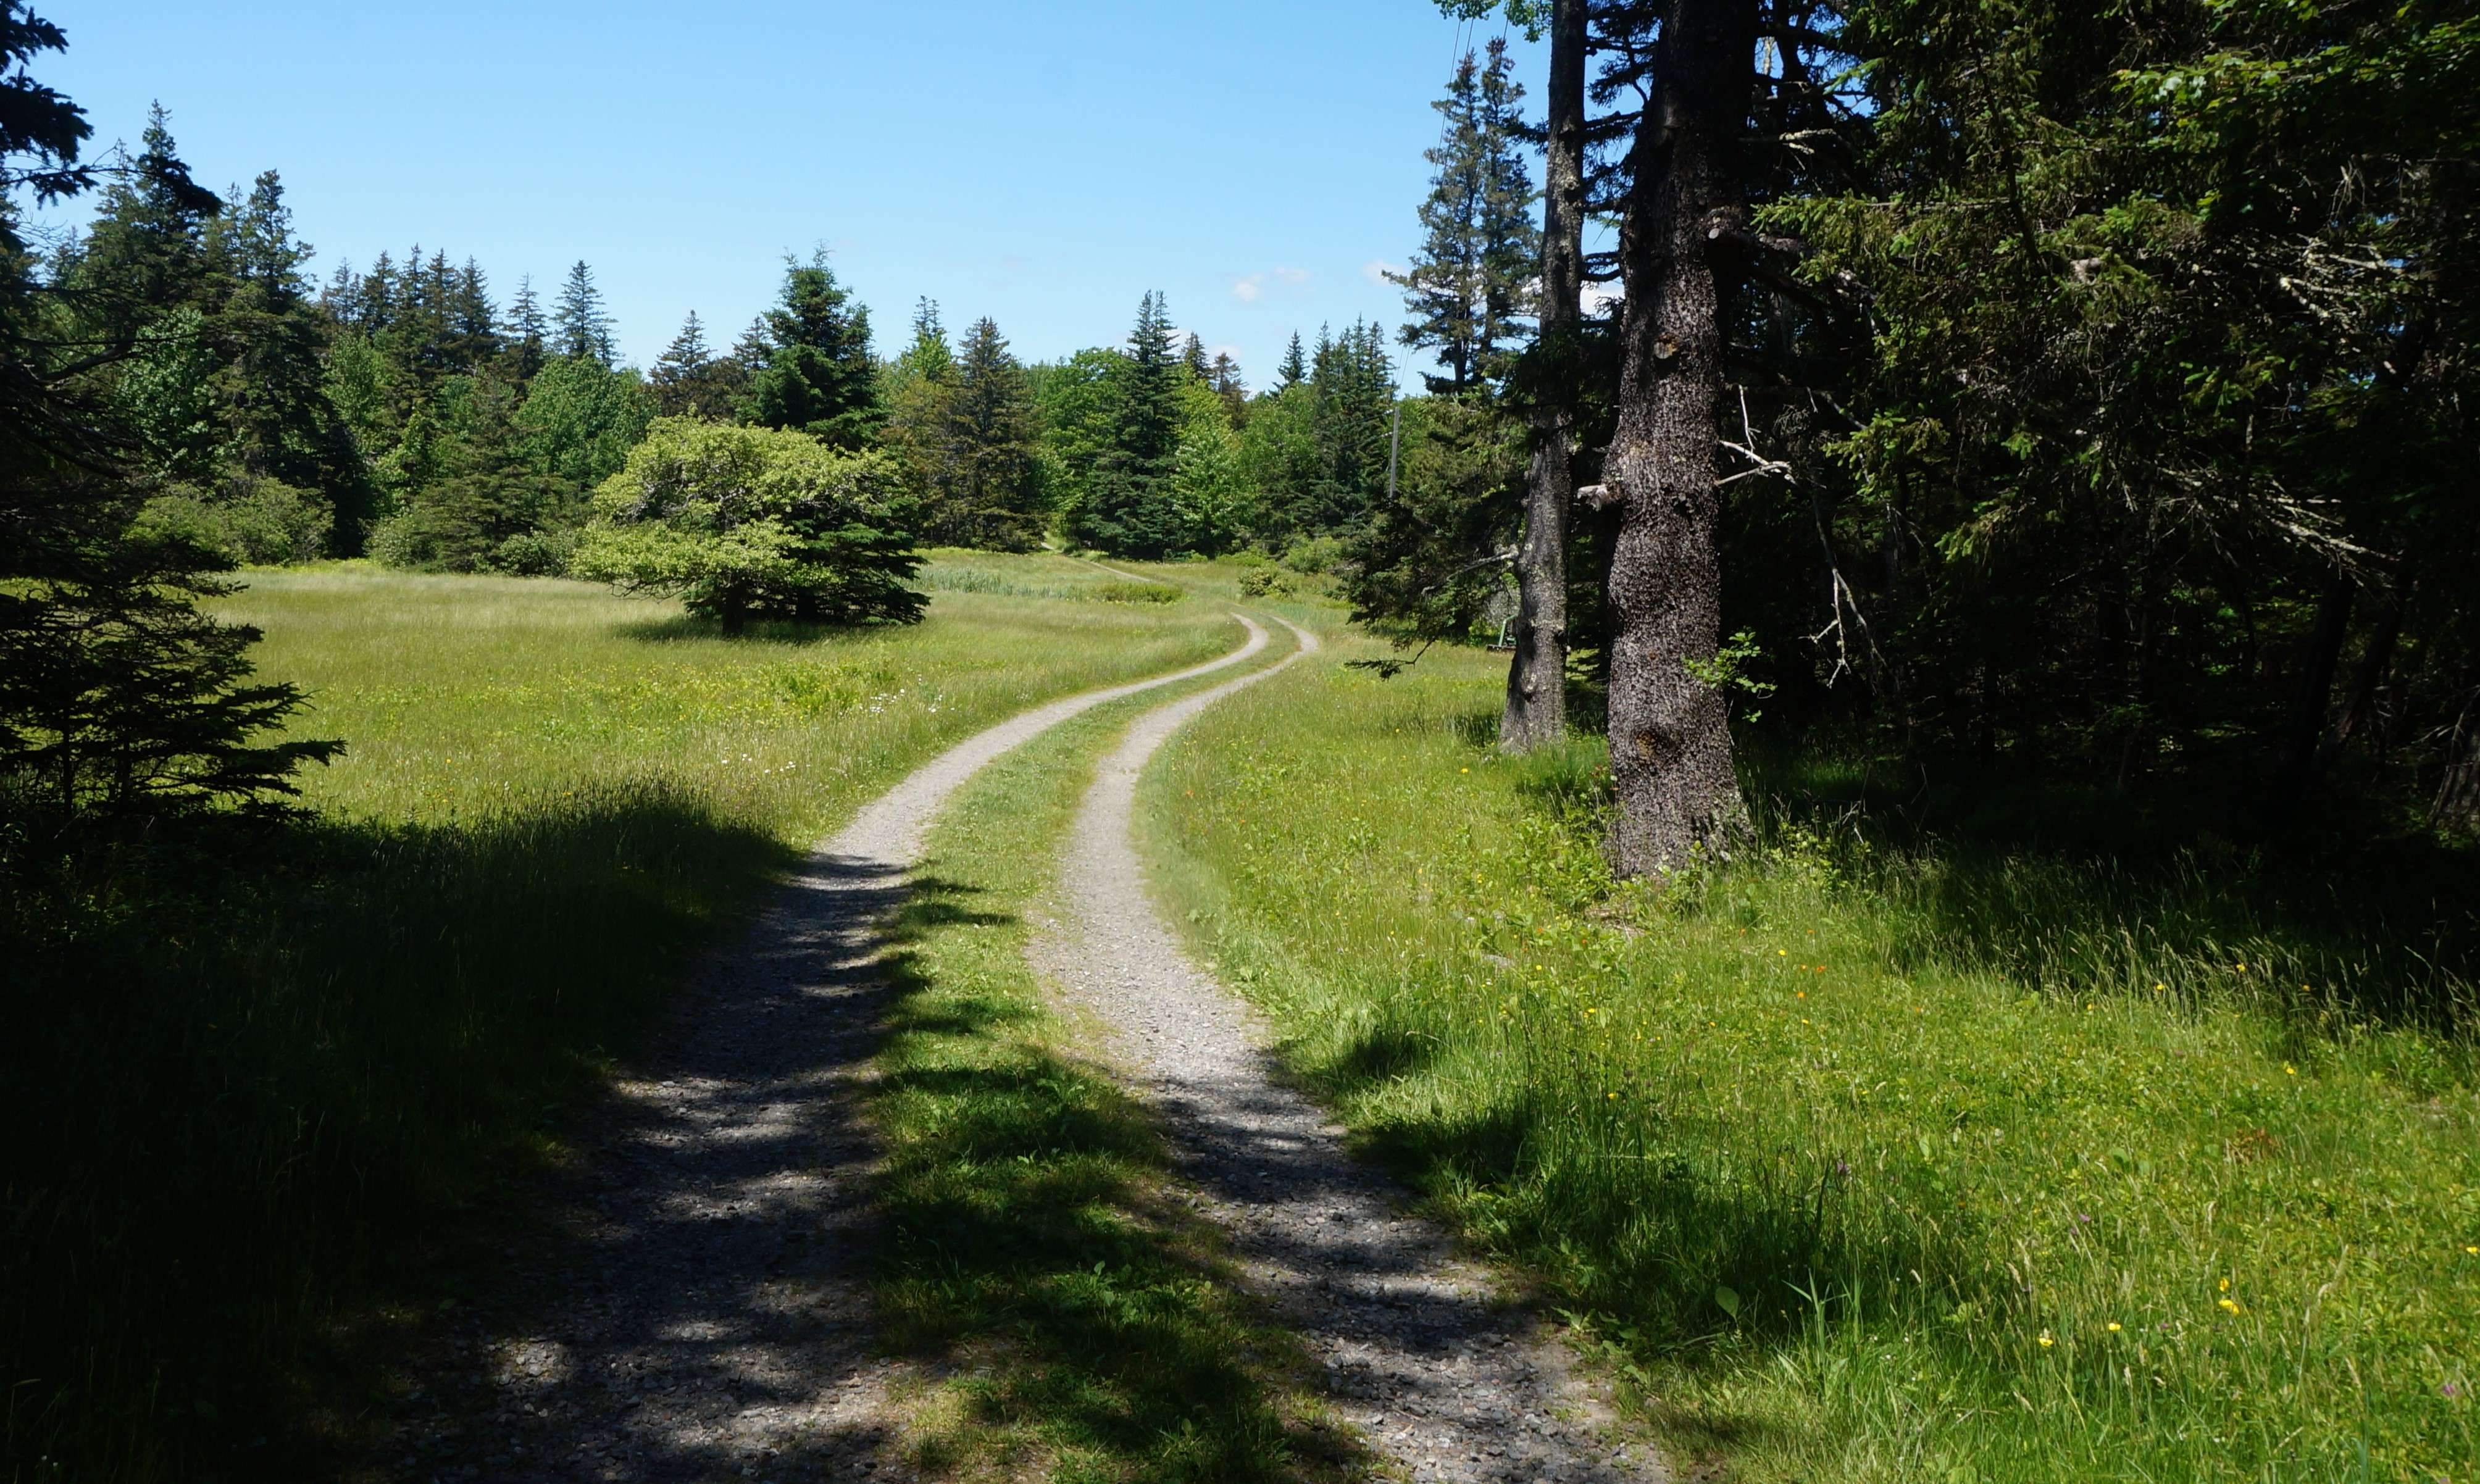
[1040,164]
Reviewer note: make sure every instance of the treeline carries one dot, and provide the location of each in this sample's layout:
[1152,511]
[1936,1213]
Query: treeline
[407,413]
[2081,396]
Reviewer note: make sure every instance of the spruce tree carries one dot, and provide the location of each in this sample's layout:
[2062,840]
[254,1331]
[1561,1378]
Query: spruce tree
[1295,369]
[684,378]
[120,700]
[527,334]
[815,370]
[1224,377]
[995,498]
[1127,509]
[1468,284]
[473,325]
[580,327]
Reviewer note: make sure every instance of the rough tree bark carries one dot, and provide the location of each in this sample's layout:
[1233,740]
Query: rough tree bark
[2296,773]
[1536,676]
[1670,739]
[2458,796]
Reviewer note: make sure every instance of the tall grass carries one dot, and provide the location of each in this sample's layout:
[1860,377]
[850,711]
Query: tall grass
[267,1094]
[1870,1158]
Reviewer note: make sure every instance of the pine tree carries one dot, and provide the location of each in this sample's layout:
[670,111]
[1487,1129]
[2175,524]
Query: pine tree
[1191,355]
[995,498]
[1127,510]
[1295,369]
[685,378]
[473,325]
[527,334]
[1467,285]
[817,372]
[580,327]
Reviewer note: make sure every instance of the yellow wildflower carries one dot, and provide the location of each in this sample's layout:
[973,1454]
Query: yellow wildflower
[2113,1326]
[2232,1304]
[2045,1340]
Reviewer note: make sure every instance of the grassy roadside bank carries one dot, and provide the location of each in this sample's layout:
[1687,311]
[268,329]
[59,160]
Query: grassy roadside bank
[1080,1319]
[1859,1176]
[256,1084]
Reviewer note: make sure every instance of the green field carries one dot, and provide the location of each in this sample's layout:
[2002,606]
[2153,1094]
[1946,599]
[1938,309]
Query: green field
[1867,1157]
[267,1090]
[1865,1161]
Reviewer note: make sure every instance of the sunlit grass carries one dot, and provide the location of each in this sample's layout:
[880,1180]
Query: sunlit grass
[258,1085]
[1865,1164]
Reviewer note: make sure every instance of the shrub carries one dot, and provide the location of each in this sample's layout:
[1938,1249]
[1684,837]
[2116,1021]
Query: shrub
[1136,592]
[248,520]
[743,522]
[1314,556]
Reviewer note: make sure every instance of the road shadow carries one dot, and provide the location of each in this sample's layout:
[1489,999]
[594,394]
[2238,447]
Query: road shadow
[1034,1255]
[696,1307]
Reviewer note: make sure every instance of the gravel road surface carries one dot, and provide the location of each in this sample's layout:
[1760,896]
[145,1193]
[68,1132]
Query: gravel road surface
[697,1311]
[1420,1353]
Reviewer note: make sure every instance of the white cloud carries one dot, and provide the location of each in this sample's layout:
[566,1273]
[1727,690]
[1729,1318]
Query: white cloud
[1376,270]
[1598,297]
[1251,288]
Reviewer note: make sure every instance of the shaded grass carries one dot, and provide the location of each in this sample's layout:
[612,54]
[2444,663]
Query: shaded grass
[269,1093]
[1035,1252]
[1869,1159]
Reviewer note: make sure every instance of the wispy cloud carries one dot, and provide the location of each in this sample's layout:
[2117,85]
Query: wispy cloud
[1376,270]
[1251,288]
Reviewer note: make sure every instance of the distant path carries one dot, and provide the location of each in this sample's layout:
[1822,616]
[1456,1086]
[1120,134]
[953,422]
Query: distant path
[696,1313]
[1419,1358]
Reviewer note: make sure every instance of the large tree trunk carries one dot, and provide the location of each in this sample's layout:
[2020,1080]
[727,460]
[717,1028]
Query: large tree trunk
[1536,676]
[2458,797]
[2297,771]
[1671,737]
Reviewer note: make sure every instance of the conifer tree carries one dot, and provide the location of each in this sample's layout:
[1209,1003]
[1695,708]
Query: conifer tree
[580,327]
[1127,509]
[1224,376]
[1468,284]
[120,700]
[995,495]
[528,333]
[812,368]
[473,325]
[685,379]
[1295,369]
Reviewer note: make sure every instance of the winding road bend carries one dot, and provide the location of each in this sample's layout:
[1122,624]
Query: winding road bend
[698,1310]
[1420,1356]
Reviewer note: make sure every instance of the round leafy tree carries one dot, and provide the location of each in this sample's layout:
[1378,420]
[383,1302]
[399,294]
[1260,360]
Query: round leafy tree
[755,522]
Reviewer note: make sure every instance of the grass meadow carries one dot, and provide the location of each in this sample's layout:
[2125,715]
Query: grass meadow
[269,1092]
[1874,1157]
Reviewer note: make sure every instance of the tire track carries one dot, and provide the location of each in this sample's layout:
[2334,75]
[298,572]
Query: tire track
[699,1309]
[1420,1355]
